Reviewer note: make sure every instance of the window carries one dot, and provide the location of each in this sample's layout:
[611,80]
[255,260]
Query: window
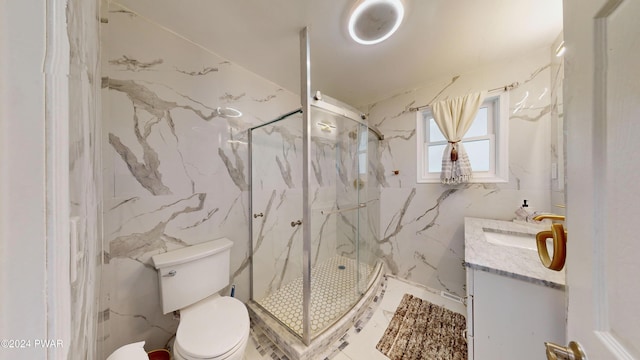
[486,143]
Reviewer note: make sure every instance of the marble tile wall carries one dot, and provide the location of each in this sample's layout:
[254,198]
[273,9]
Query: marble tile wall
[422,225]
[85,173]
[175,164]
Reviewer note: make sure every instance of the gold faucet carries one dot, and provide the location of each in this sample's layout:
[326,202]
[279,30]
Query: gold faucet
[559,236]
[548,216]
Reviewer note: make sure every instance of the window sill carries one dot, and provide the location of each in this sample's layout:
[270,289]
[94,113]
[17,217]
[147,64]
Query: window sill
[475,180]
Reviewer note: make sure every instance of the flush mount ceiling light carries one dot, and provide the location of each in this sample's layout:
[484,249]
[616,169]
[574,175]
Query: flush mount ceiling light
[373,21]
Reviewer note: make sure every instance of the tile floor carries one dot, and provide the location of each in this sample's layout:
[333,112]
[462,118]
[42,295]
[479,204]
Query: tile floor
[360,342]
[333,292]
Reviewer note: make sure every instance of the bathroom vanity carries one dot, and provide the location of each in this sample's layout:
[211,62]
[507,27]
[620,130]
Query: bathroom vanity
[514,303]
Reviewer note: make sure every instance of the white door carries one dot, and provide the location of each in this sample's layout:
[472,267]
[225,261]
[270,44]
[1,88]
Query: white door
[602,110]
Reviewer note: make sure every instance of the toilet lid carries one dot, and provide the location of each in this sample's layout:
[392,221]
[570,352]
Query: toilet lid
[212,327]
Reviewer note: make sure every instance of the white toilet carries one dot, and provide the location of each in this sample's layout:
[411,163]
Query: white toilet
[211,326]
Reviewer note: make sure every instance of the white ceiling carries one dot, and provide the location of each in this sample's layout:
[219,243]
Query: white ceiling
[437,37]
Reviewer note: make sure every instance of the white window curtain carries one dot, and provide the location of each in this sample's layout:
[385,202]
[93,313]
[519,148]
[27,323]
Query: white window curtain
[454,117]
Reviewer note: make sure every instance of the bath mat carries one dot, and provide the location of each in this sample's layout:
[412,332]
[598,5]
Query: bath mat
[422,330]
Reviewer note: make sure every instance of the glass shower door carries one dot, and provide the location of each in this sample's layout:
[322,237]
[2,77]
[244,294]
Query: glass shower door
[338,190]
[339,252]
[369,216]
[276,209]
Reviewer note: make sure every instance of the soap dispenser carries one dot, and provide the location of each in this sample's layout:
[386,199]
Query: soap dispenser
[523,213]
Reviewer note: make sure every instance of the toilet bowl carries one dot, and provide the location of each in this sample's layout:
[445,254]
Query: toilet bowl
[214,328]
[133,351]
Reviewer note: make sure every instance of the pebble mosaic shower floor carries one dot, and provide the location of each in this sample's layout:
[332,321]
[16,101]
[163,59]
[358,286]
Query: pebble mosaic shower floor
[333,292]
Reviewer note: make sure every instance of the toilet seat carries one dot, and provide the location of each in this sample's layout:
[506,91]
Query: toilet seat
[214,328]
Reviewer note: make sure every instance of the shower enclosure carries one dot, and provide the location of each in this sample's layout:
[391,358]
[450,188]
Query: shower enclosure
[314,207]
[343,216]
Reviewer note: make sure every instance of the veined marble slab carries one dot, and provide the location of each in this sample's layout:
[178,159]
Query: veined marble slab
[421,234]
[505,260]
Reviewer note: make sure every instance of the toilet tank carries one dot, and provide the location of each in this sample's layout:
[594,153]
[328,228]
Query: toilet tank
[190,274]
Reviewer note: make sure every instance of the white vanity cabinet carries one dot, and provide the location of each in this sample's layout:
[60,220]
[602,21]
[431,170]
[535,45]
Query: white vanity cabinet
[514,303]
[510,318]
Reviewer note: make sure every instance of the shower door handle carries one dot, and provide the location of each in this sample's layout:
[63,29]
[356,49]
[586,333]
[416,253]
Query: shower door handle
[255,216]
[294,223]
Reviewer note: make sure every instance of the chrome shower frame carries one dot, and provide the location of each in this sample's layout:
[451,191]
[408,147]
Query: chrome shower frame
[308,101]
[305,96]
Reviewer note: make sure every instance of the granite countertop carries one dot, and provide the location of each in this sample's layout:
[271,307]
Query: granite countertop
[506,260]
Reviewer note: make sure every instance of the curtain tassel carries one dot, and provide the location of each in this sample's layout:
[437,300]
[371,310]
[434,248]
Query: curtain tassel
[454,150]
